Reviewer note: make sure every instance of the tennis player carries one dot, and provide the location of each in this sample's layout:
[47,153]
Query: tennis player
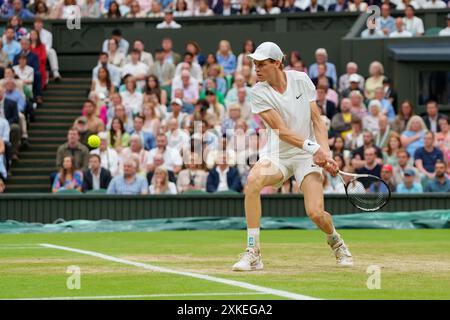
[297,145]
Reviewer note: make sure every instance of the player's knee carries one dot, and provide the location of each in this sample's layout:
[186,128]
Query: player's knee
[315,212]
[254,184]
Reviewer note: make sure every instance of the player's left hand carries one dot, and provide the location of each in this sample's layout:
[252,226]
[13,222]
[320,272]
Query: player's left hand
[331,167]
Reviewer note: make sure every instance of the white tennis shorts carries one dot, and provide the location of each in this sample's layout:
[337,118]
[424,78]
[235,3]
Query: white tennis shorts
[297,166]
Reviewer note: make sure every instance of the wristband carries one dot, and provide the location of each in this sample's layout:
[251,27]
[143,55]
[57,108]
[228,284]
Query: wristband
[310,146]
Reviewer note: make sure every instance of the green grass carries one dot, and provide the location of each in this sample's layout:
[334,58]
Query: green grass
[414,264]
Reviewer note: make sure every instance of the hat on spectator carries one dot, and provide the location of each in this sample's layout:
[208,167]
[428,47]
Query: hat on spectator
[267,50]
[387,167]
[177,101]
[354,78]
[409,172]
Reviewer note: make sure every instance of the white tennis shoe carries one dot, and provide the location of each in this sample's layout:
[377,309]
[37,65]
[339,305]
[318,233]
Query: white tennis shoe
[342,254]
[250,260]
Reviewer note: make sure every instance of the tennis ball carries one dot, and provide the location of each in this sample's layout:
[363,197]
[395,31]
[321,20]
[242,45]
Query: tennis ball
[94,141]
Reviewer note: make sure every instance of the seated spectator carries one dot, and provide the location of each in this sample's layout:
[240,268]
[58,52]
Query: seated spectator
[314,7]
[41,10]
[3,171]
[408,185]
[359,154]
[158,161]
[170,55]
[353,83]
[440,183]
[181,9]
[357,6]
[327,107]
[109,158]
[16,23]
[386,23]
[229,124]
[132,99]
[81,125]
[443,138]
[155,10]
[412,23]
[115,56]
[148,140]
[269,7]
[389,94]
[400,31]
[172,158]
[384,133]
[94,123]
[211,85]
[65,9]
[152,87]
[247,48]
[426,157]
[358,108]
[375,80]
[124,116]
[371,33]
[203,10]
[95,177]
[163,69]
[216,111]
[341,122]
[25,73]
[219,83]
[434,4]
[321,74]
[68,177]
[195,70]
[404,114]
[169,22]
[223,177]
[176,113]
[338,146]
[432,117]
[232,95]
[403,163]
[17,9]
[370,122]
[321,56]
[152,122]
[137,151]
[386,176]
[402,4]
[117,136]
[226,9]
[160,183]
[123,44]
[90,9]
[189,85]
[177,137]
[135,11]
[194,176]
[371,165]
[354,138]
[414,134]
[247,7]
[125,7]
[129,182]
[385,105]
[339,6]
[226,58]
[211,61]
[136,68]
[144,56]
[446,31]
[75,149]
[102,87]
[10,45]
[114,72]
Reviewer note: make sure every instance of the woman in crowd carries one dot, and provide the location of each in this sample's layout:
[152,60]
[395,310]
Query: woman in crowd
[115,57]
[443,138]
[90,9]
[64,10]
[370,122]
[38,48]
[269,8]
[68,177]
[19,31]
[117,136]
[413,136]
[151,123]
[113,11]
[358,108]
[152,87]
[193,177]
[226,59]
[41,10]
[357,6]
[390,154]
[211,62]
[354,139]
[160,182]
[101,110]
[194,48]
[123,115]
[375,80]
[338,146]
[181,9]
[132,99]
[102,86]
[247,7]
[404,114]
[248,47]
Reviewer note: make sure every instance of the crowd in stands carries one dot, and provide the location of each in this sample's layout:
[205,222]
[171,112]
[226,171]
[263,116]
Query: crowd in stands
[173,123]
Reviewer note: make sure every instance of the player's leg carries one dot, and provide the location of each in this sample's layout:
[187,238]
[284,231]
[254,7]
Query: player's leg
[312,189]
[263,174]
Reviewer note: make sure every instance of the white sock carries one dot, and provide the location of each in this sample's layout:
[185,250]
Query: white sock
[253,238]
[333,238]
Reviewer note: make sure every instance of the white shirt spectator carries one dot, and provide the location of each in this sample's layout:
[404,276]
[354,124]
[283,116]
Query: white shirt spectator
[146,57]
[274,10]
[109,159]
[171,157]
[26,73]
[132,101]
[401,5]
[177,139]
[171,188]
[445,32]
[135,70]
[223,183]
[403,34]
[195,71]
[165,25]
[414,25]
[46,38]
[434,4]
[374,33]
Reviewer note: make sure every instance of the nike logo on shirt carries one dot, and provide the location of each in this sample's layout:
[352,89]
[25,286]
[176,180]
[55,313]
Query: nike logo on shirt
[299,96]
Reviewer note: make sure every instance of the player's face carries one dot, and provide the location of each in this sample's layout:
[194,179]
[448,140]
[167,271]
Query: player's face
[264,69]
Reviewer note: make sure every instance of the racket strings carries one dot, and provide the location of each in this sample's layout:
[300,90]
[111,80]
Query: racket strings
[368,193]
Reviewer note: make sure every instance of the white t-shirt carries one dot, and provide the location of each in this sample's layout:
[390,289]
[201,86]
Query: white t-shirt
[414,25]
[172,157]
[403,34]
[445,32]
[293,107]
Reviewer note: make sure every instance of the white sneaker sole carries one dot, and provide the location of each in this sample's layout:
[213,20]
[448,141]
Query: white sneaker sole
[257,267]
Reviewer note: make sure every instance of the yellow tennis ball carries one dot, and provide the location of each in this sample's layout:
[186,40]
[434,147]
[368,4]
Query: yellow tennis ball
[94,141]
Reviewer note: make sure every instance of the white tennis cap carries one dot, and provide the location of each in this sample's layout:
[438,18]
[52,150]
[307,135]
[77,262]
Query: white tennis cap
[267,50]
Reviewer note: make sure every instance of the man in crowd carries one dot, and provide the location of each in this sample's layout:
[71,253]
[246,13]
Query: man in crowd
[109,158]
[425,157]
[73,148]
[440,183]
[432,117]
[359,155]
[408,185]
[10,112]
[129,182]
[172,158]
[95,177]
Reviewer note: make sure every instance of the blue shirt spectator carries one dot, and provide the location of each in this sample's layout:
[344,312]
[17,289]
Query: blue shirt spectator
[17,9]
[11,48]
[440,183]
[129,182]
[414,145]
[386,105]
[413,188]
[229,63]
[16,96]
[4,129]
[428,158]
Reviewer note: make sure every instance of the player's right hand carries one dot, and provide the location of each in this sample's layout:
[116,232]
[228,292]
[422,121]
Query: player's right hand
[321,157]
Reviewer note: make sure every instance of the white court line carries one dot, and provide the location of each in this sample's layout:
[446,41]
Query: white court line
[140,296]
[240,284]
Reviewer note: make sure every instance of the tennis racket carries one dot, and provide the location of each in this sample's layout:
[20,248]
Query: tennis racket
[365,191]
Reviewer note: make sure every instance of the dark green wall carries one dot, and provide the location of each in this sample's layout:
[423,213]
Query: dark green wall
[46,208]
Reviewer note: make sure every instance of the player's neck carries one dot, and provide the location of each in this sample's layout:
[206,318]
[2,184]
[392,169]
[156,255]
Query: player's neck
[279,81]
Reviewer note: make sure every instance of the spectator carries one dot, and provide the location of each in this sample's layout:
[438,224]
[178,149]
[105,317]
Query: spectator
[408,185]
[151,119]
[117,136]
[193,177]
[3,171]
[432,117]
[400,31]
[136,68]
[177,138]
[95,177]
[358,108]
[10,46]
[346,80]
[18,10]
[384,132]
[339,6]
[321,74]
[219,82]
[328,108]
[147,138]
[135,11]
[123,44]
[181,9]
[226,9]
[314,7]
[370,122]
[94,123]
[108,156]
[115,57]
[426,157]
[25,73]
[132,99]
[129,182]
[413,136]
[371,33]
[9,111]
[341,122]
[168,22]
[125,7]
[404,163]
[357,6]
[232,95]
[389,93]
[443,138]
[191,65]
[172,158]
[371,165]
[440,183]
[386,23]
[385,106]
[46,38]
[321,58]
[152,87]
[226,58]
[216,110]
[177,114]
[203,10]
[188,85]
[223,177]
[81,126]
[402,4]
[68,177]
[247,8]
[41,10]
[386,176]
[19,30]
[125,116]
[158,161]
[73,148]
[162,68]
[144,56]
[404,115]
[446,31]
[354,138]
[248,47]
[375,80]
[102,87]
[114,72]
[269,8]
[169,54]
[338,146]
[234,115]
[358,155]
[155,11]
[390,151]
[412,23]
[137,151]
[160,183]
[113,11]
[434,4]
[90,9]
[65,9]
[4,60]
